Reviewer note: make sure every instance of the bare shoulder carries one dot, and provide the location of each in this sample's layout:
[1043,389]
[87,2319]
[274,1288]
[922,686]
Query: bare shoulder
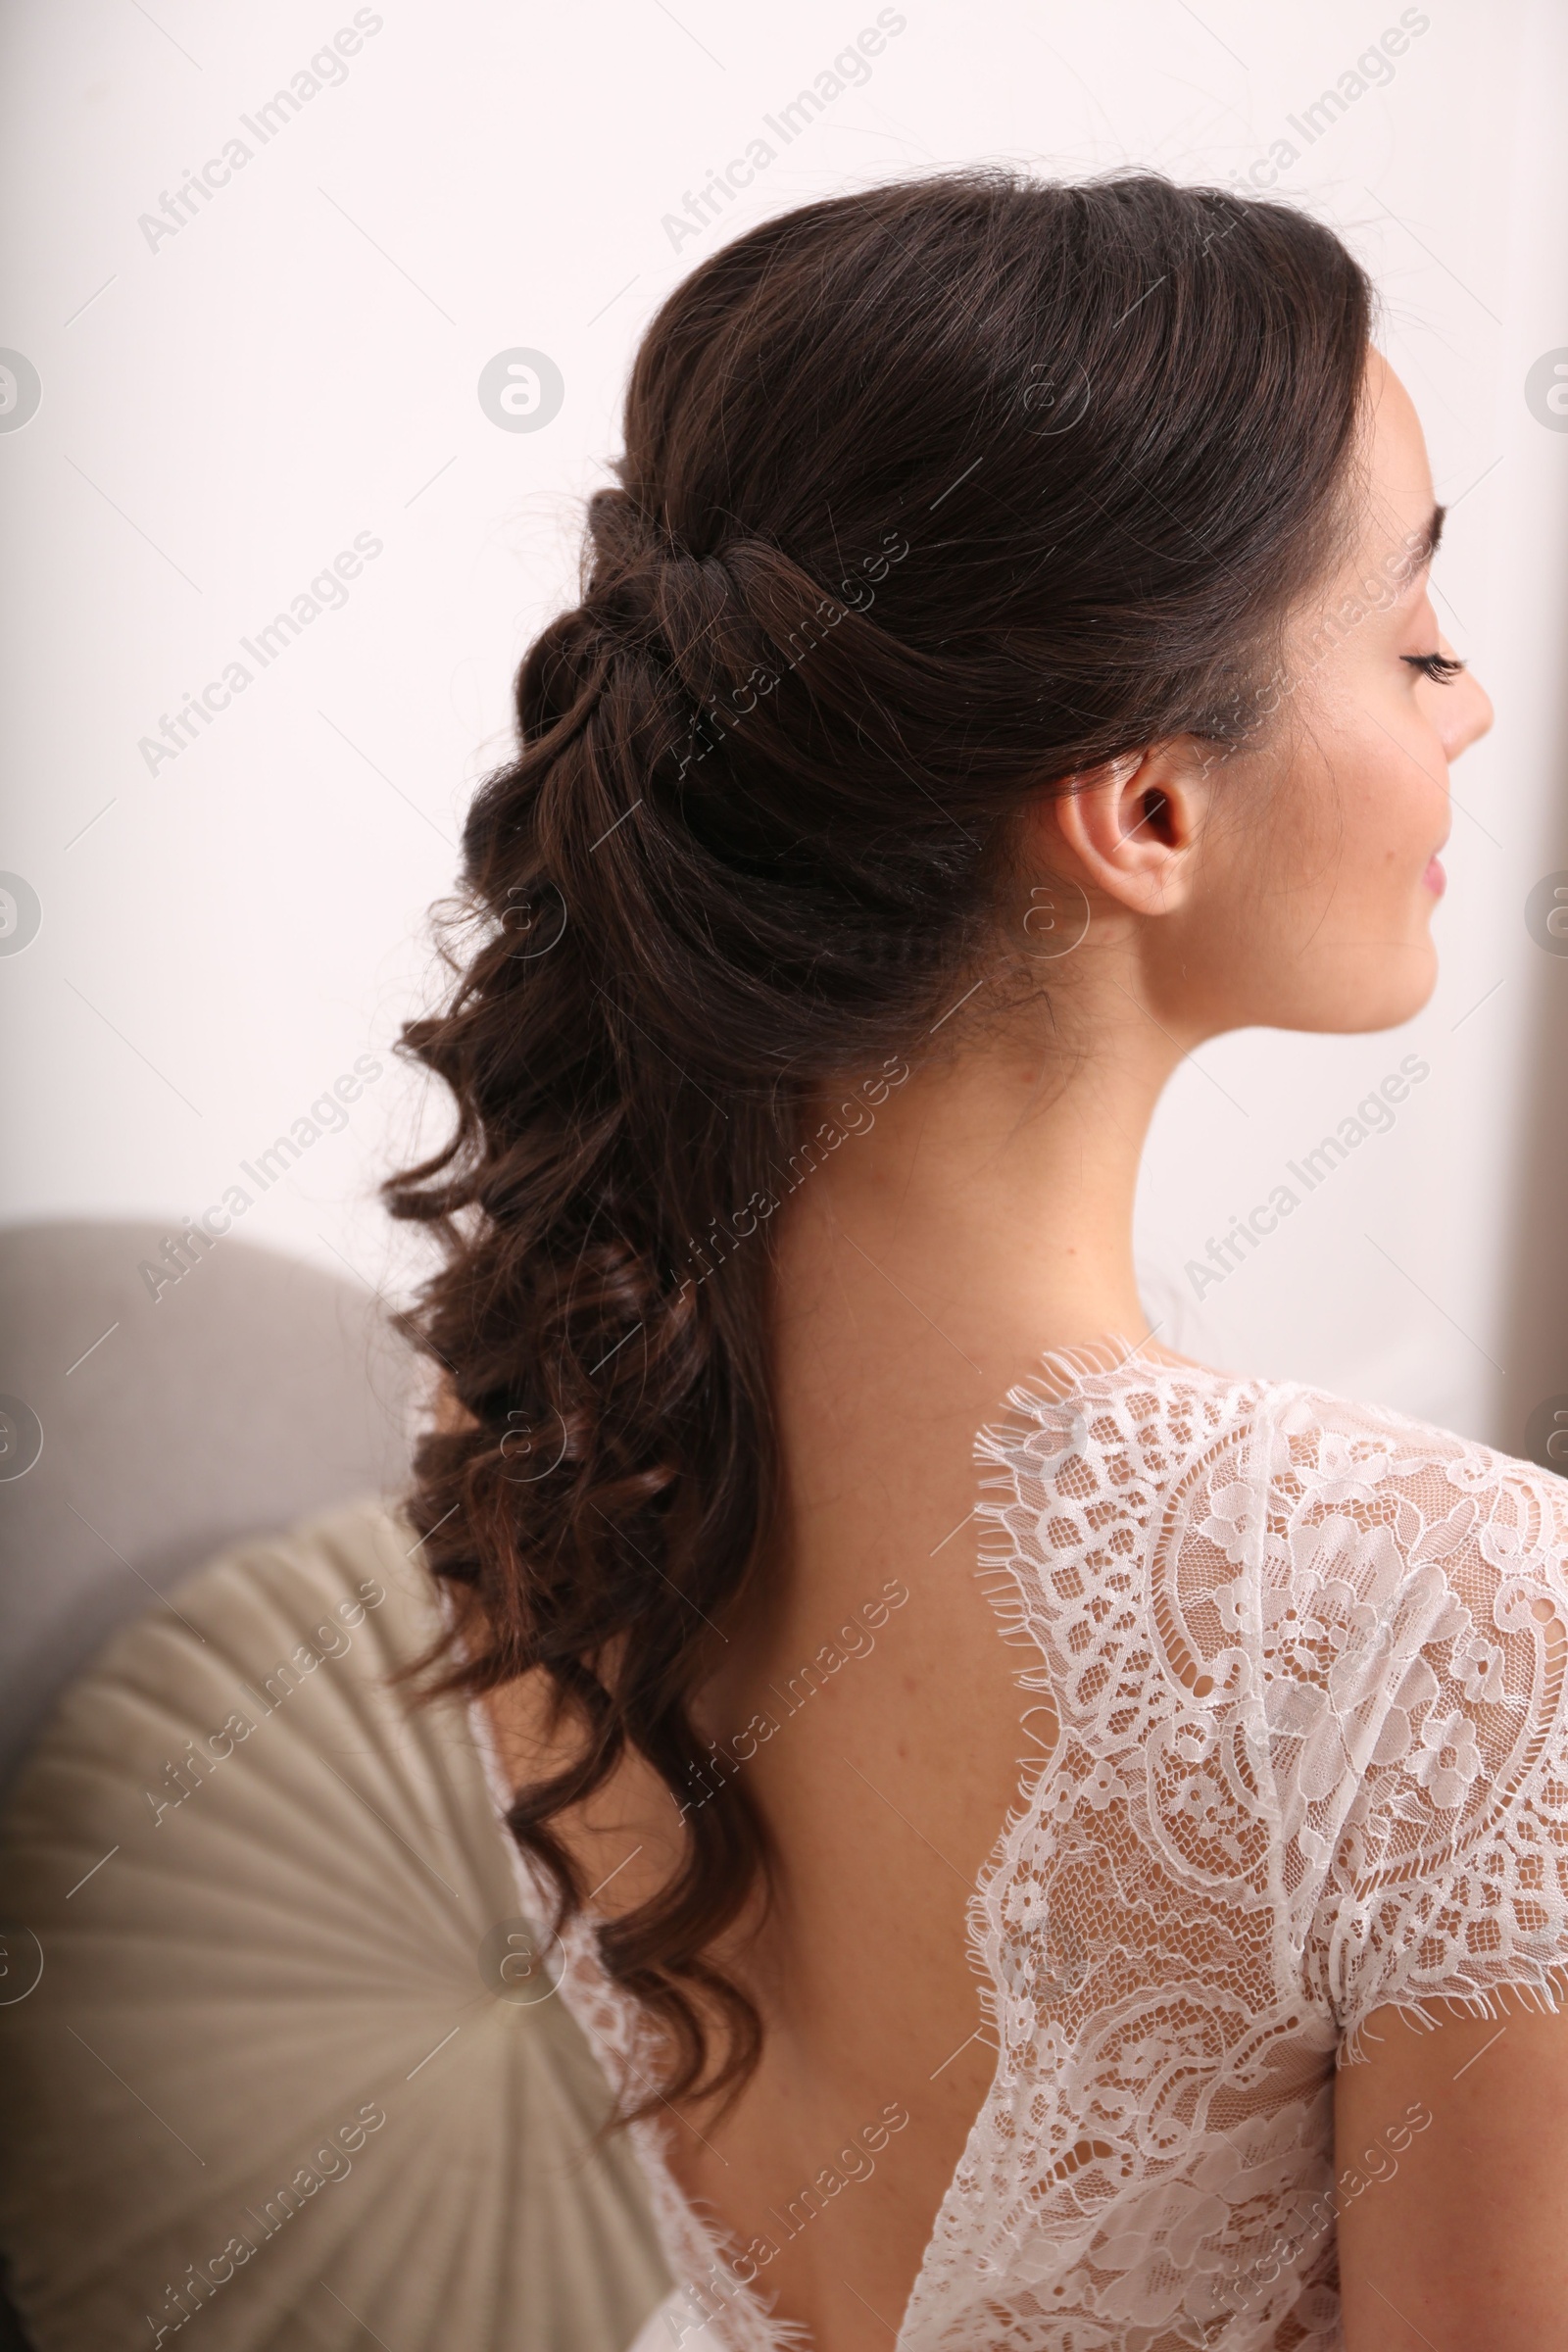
[1451,2181]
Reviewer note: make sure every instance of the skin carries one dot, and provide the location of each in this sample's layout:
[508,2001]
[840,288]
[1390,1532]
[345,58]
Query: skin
[985,1217]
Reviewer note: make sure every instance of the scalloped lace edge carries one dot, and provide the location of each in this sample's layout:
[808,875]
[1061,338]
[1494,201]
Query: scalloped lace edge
[680,2223]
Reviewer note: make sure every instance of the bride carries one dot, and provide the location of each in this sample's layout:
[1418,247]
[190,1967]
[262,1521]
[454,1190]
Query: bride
[1056,1845]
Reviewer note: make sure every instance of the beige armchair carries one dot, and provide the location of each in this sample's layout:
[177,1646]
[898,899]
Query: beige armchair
[281,2054]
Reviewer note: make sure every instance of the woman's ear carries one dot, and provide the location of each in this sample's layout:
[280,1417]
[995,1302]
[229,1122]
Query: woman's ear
[1131,828]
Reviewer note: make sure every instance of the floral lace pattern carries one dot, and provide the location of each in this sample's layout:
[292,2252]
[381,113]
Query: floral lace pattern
[1297,1673]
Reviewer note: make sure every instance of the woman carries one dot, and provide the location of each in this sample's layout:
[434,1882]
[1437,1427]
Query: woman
[1006,663]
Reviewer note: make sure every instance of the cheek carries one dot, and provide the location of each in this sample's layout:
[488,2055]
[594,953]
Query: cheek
[1402,820]
[1326,914]
[1369,816]
[1354,950]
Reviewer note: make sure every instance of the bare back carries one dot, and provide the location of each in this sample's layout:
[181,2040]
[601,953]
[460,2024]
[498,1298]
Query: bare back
[873,1708]
[885,1736]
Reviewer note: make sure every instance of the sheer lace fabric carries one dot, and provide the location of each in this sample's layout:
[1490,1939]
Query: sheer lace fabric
[1294,1670]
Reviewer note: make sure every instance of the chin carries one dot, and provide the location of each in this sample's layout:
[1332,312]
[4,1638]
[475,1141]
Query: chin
[1388,995]
[1359,996]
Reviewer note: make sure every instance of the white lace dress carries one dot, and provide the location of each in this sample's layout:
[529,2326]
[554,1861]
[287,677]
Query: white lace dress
[1307,1659]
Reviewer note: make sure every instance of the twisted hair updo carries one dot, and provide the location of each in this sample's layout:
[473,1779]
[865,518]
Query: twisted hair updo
[932,497]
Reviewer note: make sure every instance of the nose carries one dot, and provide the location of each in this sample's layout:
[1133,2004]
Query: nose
[1469,715]
[1465,713]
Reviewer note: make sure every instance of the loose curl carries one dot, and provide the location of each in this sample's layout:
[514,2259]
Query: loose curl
[933,497]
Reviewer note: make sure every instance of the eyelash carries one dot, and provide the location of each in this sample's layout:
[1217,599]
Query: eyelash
[1440,668]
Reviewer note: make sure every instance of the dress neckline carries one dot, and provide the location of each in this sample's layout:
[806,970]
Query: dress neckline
[1065,1376]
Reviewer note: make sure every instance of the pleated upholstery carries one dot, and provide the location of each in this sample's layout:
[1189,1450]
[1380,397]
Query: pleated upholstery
[256,1941]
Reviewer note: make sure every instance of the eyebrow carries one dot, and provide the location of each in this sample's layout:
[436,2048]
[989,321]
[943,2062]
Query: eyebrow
[1430,538]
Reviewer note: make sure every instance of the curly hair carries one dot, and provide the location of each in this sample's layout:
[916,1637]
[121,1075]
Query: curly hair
[933,498]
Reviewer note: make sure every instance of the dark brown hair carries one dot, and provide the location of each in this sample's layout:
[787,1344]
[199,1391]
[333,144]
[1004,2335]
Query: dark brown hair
[932,497]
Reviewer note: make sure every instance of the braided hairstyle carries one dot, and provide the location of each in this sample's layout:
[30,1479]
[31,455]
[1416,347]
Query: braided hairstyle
[933,497]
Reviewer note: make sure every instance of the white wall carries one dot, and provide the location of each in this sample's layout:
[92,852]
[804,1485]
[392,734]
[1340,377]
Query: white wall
[227,407]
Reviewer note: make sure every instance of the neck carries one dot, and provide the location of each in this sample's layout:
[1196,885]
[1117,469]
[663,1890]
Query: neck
[991,1202]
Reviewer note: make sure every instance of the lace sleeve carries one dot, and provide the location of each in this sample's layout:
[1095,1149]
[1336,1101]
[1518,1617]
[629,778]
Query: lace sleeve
[1415,1637]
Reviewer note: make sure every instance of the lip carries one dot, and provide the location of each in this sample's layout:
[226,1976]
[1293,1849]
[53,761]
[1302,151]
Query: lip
[1436,880]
